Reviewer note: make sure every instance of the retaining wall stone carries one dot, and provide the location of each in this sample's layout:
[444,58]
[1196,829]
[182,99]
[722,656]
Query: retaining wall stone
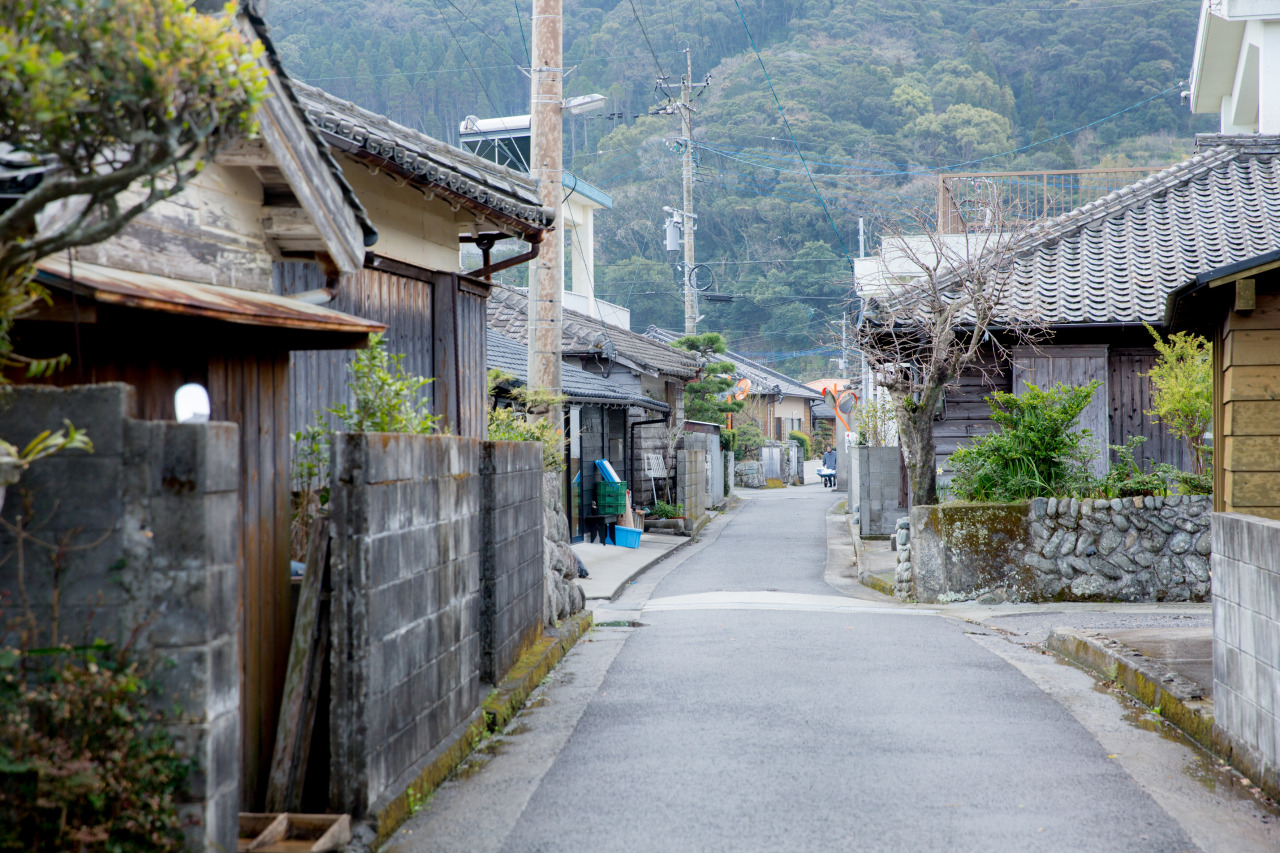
[1063,549]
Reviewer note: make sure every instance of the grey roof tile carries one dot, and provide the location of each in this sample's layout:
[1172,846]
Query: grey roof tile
[584,335]
[578,385]
[428,160]
[1115,259]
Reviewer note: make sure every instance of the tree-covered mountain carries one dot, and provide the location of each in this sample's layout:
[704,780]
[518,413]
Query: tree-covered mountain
[880,95]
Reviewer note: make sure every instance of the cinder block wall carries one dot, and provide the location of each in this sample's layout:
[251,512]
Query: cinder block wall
[406,605]
[437,574]
[875,475]
[691,470]
[159,500]
[1246,642]
[511,553]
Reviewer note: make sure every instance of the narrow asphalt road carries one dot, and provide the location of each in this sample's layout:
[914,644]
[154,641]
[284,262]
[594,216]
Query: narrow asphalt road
[753,707]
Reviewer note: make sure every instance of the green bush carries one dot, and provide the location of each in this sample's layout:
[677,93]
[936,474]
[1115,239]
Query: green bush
[806,445]
[728,440]
[1126,479]
[750,440]
[84,761]
[1036,452]
[506,424]
[662,509]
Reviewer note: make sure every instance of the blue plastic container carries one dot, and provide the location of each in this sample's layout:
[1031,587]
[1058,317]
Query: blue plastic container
[627,537]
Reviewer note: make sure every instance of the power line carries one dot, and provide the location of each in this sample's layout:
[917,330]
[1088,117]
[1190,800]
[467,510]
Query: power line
[523,37]
[645,32]
[466,57]
[787,125]
[483,31]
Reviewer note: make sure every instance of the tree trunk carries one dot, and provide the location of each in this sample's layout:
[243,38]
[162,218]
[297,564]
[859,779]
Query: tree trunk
[915,430]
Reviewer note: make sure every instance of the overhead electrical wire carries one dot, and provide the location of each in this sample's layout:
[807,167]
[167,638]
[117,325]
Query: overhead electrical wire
[787,125]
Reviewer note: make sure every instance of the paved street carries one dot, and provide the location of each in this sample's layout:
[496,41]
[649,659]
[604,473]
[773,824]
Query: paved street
[752,706]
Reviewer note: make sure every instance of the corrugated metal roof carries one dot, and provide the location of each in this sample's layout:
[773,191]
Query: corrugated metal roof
[1116,259]
[764,380]
[157,293]
[578,385]
[584,335]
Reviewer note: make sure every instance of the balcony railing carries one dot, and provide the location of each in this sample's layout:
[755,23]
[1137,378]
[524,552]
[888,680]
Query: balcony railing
[1025,197]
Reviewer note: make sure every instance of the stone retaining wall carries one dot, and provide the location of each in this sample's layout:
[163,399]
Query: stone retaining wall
[1126,549]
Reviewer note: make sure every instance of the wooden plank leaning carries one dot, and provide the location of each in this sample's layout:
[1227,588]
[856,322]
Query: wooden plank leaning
[307,656]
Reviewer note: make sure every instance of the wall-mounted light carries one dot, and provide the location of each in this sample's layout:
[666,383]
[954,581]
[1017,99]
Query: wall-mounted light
[191,404]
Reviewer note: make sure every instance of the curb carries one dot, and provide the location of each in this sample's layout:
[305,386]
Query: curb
[1180,701]
[689,540]
[867,579]
[880,585]
[493,715]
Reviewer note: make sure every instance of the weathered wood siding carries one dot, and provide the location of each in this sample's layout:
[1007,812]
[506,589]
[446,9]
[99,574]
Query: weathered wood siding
[966,411]
[1046,366]
[1247,393]
[211,232]
[252,391]
[1130,391]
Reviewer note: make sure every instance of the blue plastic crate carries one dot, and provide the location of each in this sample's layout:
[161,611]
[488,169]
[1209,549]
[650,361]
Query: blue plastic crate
[627,537]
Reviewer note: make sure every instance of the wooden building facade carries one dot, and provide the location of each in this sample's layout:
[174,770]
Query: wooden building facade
[1238,308]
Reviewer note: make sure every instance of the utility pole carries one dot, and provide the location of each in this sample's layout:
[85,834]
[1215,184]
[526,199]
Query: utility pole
[546,288]
[686,219]
[691,224]
[844,346]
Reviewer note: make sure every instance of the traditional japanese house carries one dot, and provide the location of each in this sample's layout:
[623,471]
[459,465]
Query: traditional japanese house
[185,294]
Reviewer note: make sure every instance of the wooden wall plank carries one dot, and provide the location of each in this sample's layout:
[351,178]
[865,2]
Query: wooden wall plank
[1253,346]
[1251,489]
[1251,382]
[1252,417]
[1251,452]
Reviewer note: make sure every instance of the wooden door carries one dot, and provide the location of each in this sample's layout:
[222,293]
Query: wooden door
[1047,366]
[252,391]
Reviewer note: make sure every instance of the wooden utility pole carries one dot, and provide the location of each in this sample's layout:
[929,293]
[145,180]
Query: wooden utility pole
[546,286]
[685,218]
[690,223]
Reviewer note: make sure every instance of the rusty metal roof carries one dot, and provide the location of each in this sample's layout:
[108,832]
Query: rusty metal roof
[158,293]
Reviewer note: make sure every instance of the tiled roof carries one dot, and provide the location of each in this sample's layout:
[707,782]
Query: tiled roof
[764,380]
[822,410]
[578,385]
[1116,259]
[583,335]
[424,160]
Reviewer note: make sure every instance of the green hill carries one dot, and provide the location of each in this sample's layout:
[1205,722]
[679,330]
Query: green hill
[880,95]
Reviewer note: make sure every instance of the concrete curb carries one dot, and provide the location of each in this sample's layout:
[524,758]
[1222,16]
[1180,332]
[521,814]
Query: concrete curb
[693,537]
[867,579]
[492,716]
[1180,701]
[1156,686]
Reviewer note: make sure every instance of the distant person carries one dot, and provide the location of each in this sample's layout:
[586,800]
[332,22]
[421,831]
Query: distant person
[829,468]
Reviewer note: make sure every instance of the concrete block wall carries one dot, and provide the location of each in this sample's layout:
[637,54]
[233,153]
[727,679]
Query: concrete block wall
[874,488]
[691,474]
[406,652]
[159,500]
[1246,642]
[511,562]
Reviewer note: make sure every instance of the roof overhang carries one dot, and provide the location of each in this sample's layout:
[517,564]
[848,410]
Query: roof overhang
[1217,53]
[143,291]
[1186,307]
[341,230]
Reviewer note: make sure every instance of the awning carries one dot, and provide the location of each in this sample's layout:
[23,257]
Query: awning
[187,298]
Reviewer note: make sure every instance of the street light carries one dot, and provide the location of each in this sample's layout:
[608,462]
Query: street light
[580,104]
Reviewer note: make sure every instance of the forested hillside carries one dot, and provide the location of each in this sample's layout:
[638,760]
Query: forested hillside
[880,95]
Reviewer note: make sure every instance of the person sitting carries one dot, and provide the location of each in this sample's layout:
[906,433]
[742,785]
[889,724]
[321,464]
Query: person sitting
[829,467]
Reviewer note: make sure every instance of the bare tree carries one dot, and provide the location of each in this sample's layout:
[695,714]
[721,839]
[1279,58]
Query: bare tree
[935,315]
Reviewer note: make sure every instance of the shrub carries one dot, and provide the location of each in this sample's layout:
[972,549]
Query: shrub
[750,440]
[1182,392]
[1126,478]
[662,509]
[89,766]
[728,440]
[806,446]
[1036,452]
[506,424]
